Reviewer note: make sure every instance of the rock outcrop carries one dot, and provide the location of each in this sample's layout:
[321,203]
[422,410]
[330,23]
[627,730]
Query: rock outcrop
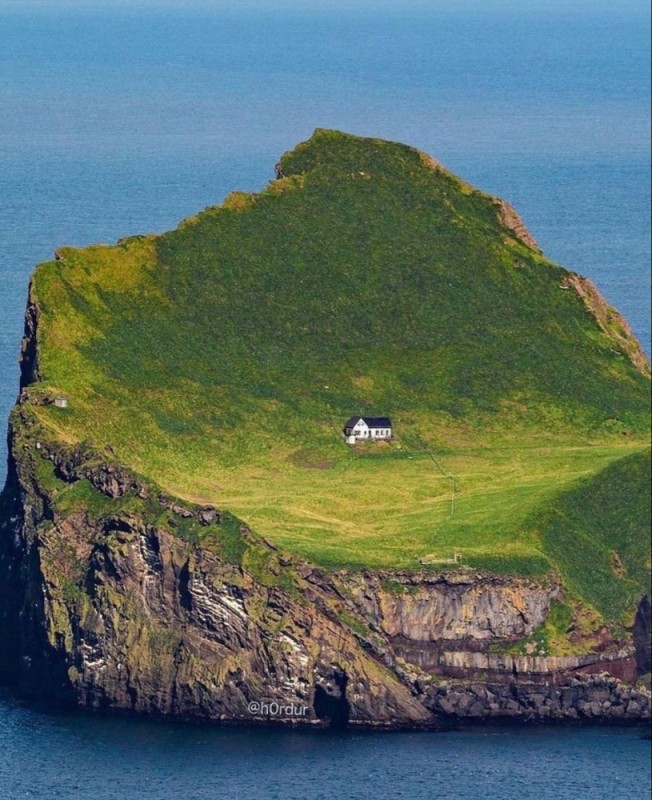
[609,319]
[510,218]
[456,606]
[587,698]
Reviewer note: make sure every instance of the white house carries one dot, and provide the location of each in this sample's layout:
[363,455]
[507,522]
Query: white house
[361,429]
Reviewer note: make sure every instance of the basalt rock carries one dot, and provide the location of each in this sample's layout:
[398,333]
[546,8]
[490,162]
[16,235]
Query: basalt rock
[467,605]
[641,632]
[589,698]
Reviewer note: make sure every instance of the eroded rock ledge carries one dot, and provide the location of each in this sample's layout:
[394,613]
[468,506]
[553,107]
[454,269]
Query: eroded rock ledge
[588,699]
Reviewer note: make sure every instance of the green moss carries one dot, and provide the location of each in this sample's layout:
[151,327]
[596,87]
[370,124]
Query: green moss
[560,617]
[552,637]
[187,528]
[82,495]
[228,540]
[395,587]
[71,591]
[46,476]
[355,623]
[164,640]
[265,567]
[262,565]
[531,566]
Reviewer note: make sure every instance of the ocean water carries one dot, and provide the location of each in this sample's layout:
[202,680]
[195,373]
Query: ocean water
[78,757]
[121,118]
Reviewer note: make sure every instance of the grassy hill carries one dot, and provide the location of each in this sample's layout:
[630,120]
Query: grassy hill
[223,358]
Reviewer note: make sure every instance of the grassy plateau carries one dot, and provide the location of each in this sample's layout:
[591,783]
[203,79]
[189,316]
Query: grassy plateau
[223,358]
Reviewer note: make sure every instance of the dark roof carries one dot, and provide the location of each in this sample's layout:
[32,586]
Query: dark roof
[351,422]
[372,422]
[378,422]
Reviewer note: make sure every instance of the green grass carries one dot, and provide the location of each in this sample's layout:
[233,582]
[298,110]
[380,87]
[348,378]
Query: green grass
[222,359]
[598,535]
[549,638]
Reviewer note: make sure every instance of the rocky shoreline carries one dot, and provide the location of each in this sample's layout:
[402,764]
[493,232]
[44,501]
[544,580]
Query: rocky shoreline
[594,698]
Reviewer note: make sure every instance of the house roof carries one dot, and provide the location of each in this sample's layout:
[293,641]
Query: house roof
[352,421]
[378,422]
[372,422]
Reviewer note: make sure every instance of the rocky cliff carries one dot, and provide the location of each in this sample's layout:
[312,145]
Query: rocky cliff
[121,597]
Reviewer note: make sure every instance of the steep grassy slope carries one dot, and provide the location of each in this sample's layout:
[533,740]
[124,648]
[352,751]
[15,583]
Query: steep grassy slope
[223,358]
[597,530]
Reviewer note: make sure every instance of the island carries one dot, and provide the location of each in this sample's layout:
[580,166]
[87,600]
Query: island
[187,531]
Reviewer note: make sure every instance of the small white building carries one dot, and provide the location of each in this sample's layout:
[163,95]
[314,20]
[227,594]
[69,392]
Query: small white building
[365,429]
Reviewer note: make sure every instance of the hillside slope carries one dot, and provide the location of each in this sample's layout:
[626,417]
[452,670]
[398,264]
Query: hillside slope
[222,359]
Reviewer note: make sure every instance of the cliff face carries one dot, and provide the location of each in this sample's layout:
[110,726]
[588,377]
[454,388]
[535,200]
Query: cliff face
[462,625]
[121,613]
[131,600]
[455,607]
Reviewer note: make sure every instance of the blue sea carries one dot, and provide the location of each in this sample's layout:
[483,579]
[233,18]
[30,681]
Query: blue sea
[119,118]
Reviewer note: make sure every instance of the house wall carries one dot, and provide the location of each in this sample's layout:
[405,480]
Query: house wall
[371,433]
[361,431]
